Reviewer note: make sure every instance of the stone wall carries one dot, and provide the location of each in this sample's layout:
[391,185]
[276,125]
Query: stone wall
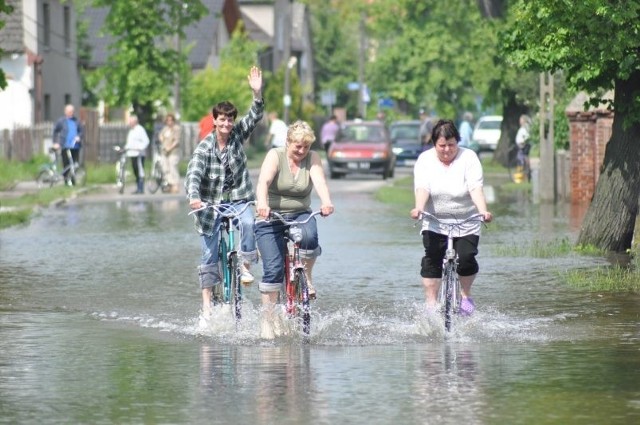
[589,133]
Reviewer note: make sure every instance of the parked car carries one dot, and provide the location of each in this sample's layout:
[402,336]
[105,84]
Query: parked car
[405,139]
[362,147]
[486,132]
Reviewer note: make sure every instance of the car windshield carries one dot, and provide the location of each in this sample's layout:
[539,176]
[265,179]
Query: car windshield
[489,125]
[361,133]
[405,132]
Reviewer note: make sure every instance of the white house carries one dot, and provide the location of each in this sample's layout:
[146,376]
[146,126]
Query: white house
[40,62]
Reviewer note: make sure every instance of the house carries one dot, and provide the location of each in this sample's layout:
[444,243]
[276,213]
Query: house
[40,62]
[211,34]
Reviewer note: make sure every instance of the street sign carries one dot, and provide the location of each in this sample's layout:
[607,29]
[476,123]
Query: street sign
[353,86]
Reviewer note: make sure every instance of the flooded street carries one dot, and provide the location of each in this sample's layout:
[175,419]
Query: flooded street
[99,324]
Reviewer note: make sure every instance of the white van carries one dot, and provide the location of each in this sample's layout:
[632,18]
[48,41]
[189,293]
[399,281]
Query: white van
[486,132]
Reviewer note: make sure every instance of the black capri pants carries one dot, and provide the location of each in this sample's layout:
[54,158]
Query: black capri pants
[435,246]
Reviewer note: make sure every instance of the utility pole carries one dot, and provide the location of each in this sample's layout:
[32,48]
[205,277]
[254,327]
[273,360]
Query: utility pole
[361,60]
[547,161]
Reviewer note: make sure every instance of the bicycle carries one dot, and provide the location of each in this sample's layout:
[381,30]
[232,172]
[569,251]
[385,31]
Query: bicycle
[49,175]
[519,168]
[230,291]
[296,288]
[449,293]
[121,168]
[157,180]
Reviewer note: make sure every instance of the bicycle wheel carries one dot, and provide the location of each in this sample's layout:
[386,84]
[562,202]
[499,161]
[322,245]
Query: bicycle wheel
[46,178]
[155,182]
[80,176]
[450,293]
[302,300]
[236,288]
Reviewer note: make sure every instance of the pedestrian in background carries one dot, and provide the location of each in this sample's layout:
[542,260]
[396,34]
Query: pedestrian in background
[67,138]
[169,142]
[136,147]
[277,131]
[329,131]
[466,130]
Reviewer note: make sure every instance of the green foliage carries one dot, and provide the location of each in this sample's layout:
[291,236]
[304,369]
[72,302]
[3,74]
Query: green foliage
[536,249]
[274,93]
[7,9]
[591,41]
[605,279]
[143,61]
[228,82]
[12,172]
[435,53]
[334,29]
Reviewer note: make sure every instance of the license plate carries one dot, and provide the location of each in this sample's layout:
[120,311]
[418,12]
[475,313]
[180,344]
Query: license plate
[409,162]
[358,165]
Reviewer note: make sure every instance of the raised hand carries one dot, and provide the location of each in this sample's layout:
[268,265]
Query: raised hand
[255,79]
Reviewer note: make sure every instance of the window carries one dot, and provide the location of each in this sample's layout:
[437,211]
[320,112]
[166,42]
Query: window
[67,99]
[46,25]
[67,30]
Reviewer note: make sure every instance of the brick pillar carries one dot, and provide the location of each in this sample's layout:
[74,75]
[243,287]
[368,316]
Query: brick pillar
[589,133]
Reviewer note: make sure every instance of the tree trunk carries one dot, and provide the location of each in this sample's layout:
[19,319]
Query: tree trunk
[510,124]
[611,216]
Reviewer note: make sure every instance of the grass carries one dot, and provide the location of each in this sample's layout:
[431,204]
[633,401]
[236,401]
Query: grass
[615,278]
[536,249]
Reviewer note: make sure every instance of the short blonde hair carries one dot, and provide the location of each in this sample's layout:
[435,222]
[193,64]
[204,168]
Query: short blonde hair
[300,131]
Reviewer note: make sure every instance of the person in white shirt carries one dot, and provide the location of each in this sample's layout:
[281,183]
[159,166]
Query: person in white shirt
[136,147]
[277,131]
[448,183]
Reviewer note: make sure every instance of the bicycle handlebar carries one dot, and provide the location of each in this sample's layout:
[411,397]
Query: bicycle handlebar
[224,213]
[424,215]
[279,216]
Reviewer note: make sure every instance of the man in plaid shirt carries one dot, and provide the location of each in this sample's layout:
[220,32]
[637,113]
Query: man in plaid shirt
[218,174]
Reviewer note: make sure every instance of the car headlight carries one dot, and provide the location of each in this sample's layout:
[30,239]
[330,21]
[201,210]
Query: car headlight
[337,154]
[378,155]
[397,150]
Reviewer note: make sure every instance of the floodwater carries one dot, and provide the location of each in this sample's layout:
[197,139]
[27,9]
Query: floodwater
[99,324]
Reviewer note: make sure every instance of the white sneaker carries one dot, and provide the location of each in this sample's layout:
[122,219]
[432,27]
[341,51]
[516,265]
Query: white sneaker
[246,277]
[312,291]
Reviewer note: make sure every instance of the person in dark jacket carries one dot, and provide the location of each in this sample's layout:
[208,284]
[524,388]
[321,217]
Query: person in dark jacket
[67,138]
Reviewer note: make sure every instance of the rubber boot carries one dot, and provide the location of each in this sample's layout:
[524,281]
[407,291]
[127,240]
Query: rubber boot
[140,186]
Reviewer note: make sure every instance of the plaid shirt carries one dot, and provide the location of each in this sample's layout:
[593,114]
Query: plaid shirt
[206,173]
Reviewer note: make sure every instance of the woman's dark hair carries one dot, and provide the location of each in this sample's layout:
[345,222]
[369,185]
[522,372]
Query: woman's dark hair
[225,108]
[446,129]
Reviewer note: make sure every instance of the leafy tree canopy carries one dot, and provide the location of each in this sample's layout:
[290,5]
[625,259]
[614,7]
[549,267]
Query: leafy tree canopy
[142,64]
[4,8]
[228,82]
[594,42]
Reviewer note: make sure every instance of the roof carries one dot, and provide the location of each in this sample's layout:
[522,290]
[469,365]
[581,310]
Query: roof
[12,34]
[200,37]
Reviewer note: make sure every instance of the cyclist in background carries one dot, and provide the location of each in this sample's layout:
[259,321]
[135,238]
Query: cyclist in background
[448,184]
[217,173]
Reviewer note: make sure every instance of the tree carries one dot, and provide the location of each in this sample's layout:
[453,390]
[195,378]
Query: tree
[595,43]
[228,82]
[143,64]
[4,8]
[335,46]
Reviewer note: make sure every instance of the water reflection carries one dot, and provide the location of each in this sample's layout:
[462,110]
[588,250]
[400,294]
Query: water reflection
[447,383]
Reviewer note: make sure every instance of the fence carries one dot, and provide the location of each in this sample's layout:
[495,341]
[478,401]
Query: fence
[23,143]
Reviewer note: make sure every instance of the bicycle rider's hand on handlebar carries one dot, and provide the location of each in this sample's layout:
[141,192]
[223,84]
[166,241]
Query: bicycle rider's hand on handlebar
[326,210]
[486,216]
[195,204]
[263,211]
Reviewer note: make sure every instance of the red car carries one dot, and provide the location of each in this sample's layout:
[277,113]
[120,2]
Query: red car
[362,147]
